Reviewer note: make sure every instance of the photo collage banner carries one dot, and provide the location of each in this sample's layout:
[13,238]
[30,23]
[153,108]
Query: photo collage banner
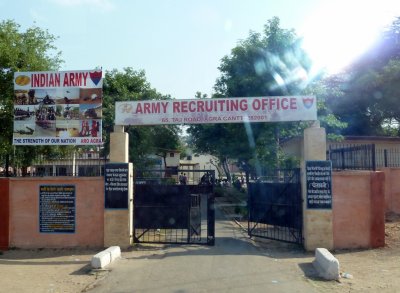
[58,108]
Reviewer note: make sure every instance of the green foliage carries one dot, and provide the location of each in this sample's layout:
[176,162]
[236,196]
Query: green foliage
[30,50]
[131,85]
[332,124]
[268,64]
[34,50]
[168,181]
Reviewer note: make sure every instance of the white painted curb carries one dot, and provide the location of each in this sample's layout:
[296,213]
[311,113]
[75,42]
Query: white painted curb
[115,252]
[105,257]
[326,264]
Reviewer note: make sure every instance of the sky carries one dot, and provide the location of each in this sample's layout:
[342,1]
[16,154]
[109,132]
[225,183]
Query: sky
[180,43]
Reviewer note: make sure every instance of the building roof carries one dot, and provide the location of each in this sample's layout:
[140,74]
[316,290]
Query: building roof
[352,137]
[378,138]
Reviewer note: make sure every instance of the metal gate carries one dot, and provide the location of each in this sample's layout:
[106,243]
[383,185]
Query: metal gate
[168,210]
[275,206]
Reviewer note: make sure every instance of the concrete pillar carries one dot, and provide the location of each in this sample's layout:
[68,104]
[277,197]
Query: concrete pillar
[317,224]
[118,223]
[119,145]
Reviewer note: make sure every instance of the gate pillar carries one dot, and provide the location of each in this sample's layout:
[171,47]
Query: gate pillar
[118,223]
[317,224]
[119,145]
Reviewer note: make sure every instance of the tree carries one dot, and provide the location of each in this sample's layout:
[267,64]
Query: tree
[366,94]
[30,50]
[34,50]
[131,85]
[268,64]
[272,63]
[332,124]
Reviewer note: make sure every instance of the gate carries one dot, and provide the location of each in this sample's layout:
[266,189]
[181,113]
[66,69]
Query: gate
[275,206]
[169,211]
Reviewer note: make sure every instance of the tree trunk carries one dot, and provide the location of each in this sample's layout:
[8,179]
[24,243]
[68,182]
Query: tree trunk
[216,167]
[7,165]
[226,169]
[247,174]
[276,146]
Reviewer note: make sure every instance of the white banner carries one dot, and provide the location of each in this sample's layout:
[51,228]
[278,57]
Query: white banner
[222,110]
[58,79]
[58,108]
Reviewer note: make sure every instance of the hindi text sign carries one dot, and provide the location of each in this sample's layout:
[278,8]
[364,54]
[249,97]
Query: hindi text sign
[116,185]
[319,184]
[57,209]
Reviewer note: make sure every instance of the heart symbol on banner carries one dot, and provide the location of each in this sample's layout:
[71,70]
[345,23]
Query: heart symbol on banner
[95,76]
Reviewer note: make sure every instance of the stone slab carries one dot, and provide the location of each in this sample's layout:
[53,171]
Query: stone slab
[326,264]
[105,257]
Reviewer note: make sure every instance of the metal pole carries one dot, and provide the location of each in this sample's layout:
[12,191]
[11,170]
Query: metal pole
[385,157]
[373,158]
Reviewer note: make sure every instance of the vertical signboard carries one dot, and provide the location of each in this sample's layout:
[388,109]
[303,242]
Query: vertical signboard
[58,108]
[116,185]
[319,184]
[57,209]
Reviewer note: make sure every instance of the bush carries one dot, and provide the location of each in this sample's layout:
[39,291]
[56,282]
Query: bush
[218,191]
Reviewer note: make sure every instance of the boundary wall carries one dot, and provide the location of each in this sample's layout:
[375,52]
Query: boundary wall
[392,190]
[358,209]
[360,200]
[23,210]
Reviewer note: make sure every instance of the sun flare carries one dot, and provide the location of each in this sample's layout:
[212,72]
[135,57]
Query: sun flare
[336,32]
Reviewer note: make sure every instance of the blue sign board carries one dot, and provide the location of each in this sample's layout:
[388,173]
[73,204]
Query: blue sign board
[57,209]
[319,184]
[116,185]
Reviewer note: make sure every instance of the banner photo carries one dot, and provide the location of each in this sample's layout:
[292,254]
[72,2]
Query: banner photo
[221,110]
[58,108]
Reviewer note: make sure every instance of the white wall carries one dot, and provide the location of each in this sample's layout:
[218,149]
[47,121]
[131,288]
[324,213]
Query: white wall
[204,162]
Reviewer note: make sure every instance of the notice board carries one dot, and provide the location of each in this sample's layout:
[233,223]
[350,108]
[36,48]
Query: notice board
[319,184]
[57,209]
[116,185]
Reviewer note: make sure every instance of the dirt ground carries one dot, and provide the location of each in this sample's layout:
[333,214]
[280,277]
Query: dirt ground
[68,270]
[46,270]
[375,270]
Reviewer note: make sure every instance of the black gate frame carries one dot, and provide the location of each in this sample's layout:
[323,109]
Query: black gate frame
[276,207]
[168,212]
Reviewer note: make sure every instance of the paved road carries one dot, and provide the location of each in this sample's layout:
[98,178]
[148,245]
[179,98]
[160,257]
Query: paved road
[234,264]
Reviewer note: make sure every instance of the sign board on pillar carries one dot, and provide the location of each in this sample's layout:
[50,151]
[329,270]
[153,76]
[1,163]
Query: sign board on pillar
[116,185]
[319,184]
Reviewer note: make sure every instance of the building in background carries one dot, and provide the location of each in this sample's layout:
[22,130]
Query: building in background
[85,162]
[354,152]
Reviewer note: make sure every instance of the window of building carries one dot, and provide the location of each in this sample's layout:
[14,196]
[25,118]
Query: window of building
[171,155]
